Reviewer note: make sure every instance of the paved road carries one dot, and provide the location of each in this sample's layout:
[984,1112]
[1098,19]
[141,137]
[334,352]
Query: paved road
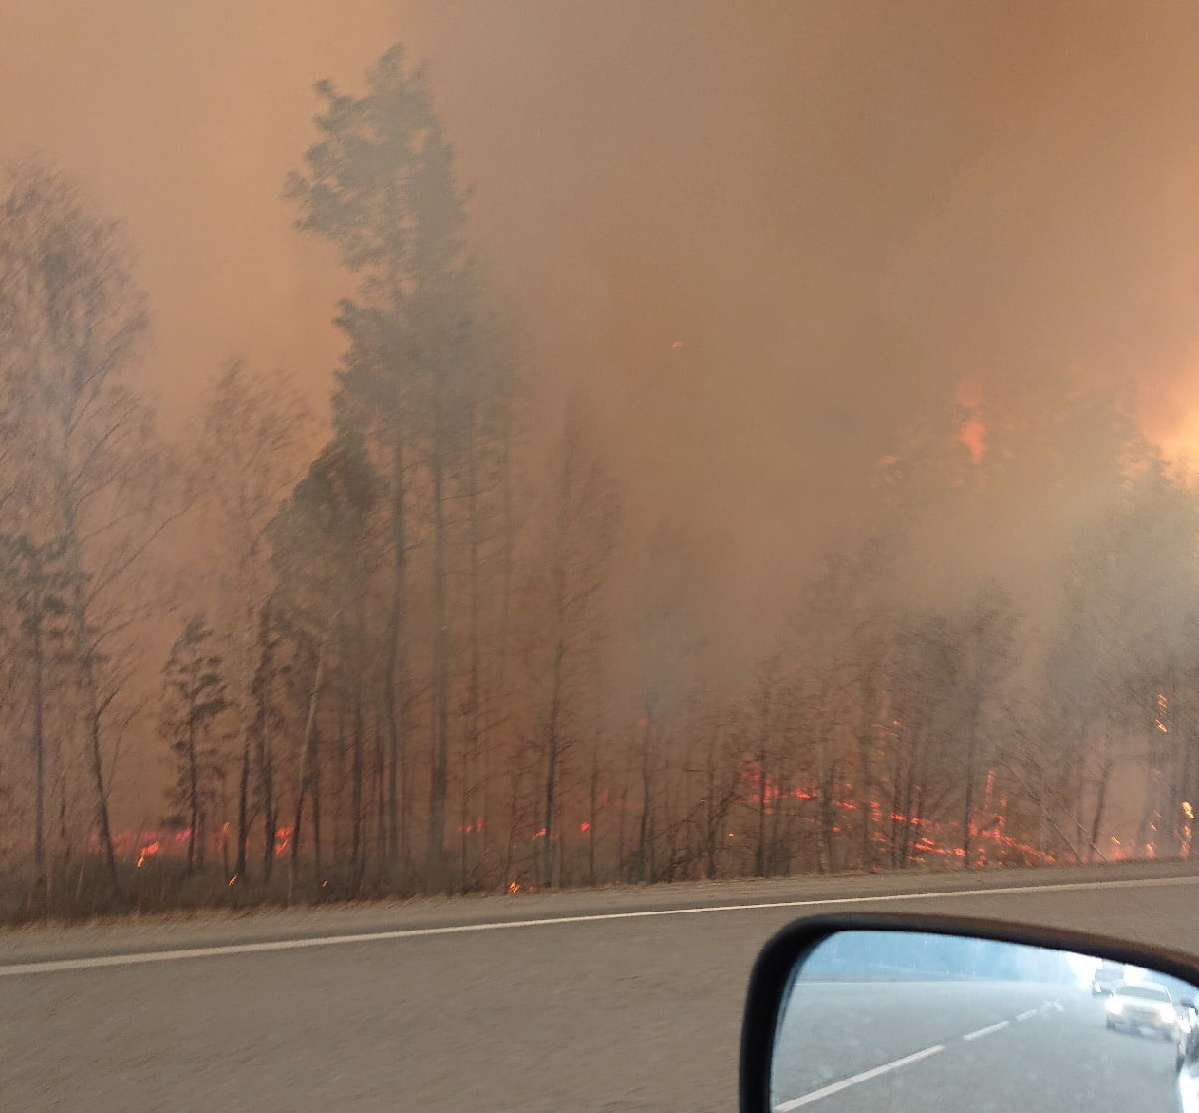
[980,1048]
[605,1011]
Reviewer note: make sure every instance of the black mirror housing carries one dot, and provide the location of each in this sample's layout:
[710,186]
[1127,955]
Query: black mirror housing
[773,973]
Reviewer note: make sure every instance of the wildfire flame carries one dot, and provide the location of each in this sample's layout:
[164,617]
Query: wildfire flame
[282,841]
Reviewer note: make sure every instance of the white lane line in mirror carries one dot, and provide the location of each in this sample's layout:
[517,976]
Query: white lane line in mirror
[865,1076]
[874,1072]
[986,1031]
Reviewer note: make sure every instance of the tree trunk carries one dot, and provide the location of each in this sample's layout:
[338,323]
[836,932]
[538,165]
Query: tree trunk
[971,777]
[774,853]
[909,797]
[507,560]
[474,698]
[380,807]
[510,849]
[269,822]
[193,794]
[92,713]
[243,810]
[439,781]
[356,793]
[827,806]
[547,830]
[394,674]
[97,766]
[760,852]
[553,743]
[626,784]
[645,828]
[592,814]
[316,780]
[866,795]
[38,738]
[711,833]
[262,731]
[465,826]
[306,755]
[1100,803]
[201,836]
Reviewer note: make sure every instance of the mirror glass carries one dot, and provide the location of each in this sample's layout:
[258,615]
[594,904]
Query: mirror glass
[911,1022]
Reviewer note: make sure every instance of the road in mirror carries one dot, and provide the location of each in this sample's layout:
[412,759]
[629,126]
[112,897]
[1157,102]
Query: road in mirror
[910,1022]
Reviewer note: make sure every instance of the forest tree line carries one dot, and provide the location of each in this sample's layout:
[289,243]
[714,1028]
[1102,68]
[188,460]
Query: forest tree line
[438,654]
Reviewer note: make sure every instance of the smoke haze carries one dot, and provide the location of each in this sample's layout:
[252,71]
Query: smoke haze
[764,241]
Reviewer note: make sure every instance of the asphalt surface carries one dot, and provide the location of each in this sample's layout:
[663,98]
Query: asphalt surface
[979,1048]
[628,1004]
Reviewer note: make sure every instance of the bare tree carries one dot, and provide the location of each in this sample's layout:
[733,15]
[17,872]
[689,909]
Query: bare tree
[570,576]
[193,704]
[253,437]
[986,634]
[325,555]
[93,477]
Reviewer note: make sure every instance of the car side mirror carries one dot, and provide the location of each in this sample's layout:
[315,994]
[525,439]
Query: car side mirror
[910,1012]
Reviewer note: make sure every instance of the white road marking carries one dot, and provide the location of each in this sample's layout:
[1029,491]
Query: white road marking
[844,1084]
[141,958]
[978,1035]
[865,1076]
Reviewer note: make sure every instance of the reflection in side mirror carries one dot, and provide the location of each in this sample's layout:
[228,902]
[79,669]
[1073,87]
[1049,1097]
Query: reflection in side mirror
[909,1020]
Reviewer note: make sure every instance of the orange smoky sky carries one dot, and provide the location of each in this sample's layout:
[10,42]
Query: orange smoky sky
[759,237]
[182,119]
